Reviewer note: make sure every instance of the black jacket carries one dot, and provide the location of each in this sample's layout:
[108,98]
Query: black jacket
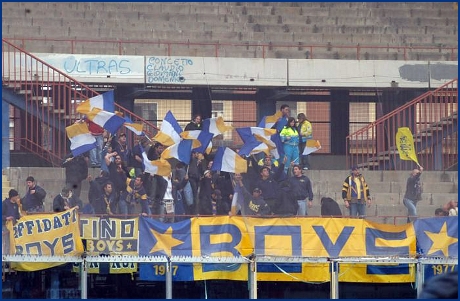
[59,203]
[329,207]
[76,169]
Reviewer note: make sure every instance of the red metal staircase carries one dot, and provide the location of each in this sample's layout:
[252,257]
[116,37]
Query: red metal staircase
[44,101]
[433,121]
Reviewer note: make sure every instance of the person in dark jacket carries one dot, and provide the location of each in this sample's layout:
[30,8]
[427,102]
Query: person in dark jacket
[253,204]
[195,124]
[413,194]
[330,208]
[206,188]
[35,197]
[444,286]
[287,205]
[10,207]
[107,201]
[302,190]
[117,172]
[223,182]
[269,187]
[66,200]
[76,170]
[214,205]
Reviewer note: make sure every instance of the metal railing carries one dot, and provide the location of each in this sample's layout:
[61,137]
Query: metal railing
[217,49]
[431,117]
[46,100]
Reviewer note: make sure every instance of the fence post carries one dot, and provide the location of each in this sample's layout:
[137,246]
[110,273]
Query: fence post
[334,284]
[84,279]
[252,270]
[168,279]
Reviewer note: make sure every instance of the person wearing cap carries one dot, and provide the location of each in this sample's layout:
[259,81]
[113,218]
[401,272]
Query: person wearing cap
[214,205]
[10,207]
[66,200]
[413,193]
[34,198]
[253,204]
[10,212]
[356,193]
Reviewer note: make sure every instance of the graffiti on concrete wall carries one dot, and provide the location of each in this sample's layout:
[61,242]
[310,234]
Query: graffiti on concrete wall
[166,70]
[96,66]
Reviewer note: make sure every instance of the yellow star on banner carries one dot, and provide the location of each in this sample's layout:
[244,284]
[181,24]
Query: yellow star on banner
[165,241]
[128,246]
[441,241]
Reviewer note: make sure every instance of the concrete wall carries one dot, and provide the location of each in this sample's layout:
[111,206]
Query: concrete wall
[304,23]
[387,187]
[188,70]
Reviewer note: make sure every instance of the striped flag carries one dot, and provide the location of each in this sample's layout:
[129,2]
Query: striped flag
[278,151]
[80,138]
[216,126]
[181,151]
[203,137]
[159,167]
[136,128]
[311,146]
[254,146]
[104,102]
[227,160]
[269,121]
[109,121]
[170,130]
[248,132]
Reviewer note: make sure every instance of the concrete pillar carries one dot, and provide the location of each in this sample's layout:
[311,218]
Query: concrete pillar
[340,119]
[265,104]
[201,102]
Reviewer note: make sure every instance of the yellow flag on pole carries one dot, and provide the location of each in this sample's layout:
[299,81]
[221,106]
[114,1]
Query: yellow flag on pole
[405,145]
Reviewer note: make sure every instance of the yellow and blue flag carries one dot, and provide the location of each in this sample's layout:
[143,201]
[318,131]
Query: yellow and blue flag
[105,102]
[229,161]
[170,131]
[216,126]
[156,167]
[80,138]
[135,127]
[107,120]
[182,151]
[203,137]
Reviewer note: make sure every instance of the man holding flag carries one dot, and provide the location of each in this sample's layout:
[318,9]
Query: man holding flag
[413,194]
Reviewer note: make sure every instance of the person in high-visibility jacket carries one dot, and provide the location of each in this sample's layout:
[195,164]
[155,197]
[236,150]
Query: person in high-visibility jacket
[290,138]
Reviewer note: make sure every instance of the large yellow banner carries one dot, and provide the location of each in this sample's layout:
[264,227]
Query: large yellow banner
[277,237]
[45,234]
[104,235]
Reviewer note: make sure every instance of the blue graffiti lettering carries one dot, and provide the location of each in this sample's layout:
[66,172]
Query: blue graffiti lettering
[96,66]
[166,70]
